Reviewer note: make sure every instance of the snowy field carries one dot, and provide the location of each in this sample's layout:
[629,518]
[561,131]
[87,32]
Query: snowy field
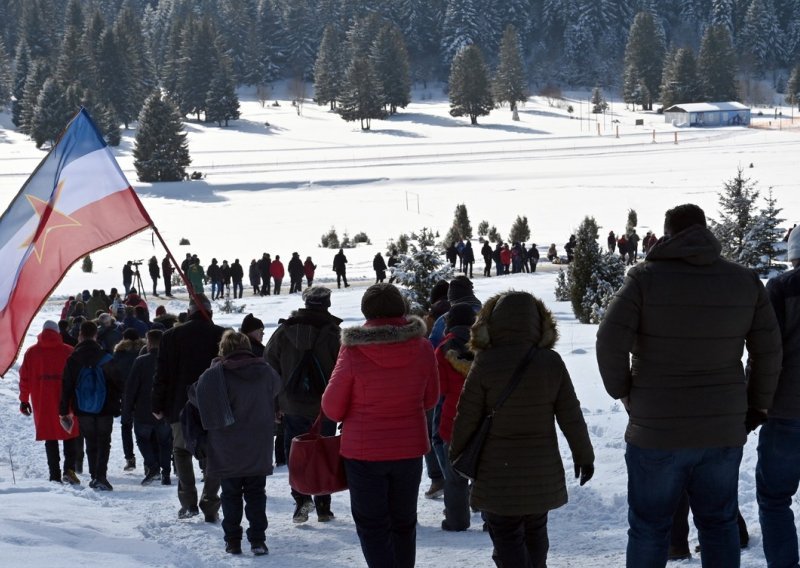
[275,182]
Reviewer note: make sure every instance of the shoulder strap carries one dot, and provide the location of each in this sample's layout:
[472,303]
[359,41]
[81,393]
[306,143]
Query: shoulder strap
[515,378]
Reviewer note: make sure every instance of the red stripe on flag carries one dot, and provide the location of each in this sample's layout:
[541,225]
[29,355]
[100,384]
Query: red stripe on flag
[102,224]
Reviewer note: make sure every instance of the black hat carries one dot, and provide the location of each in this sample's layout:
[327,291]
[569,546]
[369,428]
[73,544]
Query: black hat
[251,323]
[383,301]
[460,314]
[203,300]
[460,288]
[439,291]
[317,297]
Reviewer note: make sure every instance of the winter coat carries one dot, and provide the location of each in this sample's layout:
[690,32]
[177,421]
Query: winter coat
[276,270]
[784,295]
[295,268]
[244,448]
[109,336]
[155,273]
[672,342]
[40,378]
[88,353]
[196,276]
[135,301]
[384,380]
[127,273]
[309,268]
[125,353]
[132,322]
[505,256]
[185,352]
[264,265]
[237,272]
[520,470]
[378,264]
[468,255]
[255,274]
[214,272]
[306,329]
[225,271]
[137,402]
[486,252]
[95,304]
[453,361]
[339,263]
[166,268]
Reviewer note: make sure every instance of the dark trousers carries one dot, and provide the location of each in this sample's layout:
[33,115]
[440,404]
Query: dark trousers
[155,445]
[457,514]
[265,285]
[295,284]
[468,268]
[519,541]
[167,285]
[277,288]
[184,469]
[383,500]
[487,271]
[96,432]
[431,461]
[54,459]
[126,433]
[280,444]
[294,425]
[253,491]
[341,275]
[679,537]
[238,289]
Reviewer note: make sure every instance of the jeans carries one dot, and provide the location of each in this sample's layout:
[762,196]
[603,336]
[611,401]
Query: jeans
[519,541]
[456,492]
[295,285]
[126,433]
[383,499]
[277,287]
[238,289]
[184,469]
[253,490]
[294,425]
[499,268]
[777,478]
[679,536]
[96,431]
[656,480]
[54,459]
[155,445]
[216,289]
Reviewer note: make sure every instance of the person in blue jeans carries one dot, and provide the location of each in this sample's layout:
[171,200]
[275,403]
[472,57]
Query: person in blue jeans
[670,348]
[778,467]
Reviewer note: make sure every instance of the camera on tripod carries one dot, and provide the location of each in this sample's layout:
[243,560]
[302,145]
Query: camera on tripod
[137,262]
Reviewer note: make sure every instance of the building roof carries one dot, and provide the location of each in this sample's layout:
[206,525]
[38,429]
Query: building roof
[707,107]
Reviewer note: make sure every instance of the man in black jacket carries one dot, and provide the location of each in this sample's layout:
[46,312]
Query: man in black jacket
[340,268]
[312,329]
[237,275]
[185,352]
[670,347]
[166,272]
[96,427]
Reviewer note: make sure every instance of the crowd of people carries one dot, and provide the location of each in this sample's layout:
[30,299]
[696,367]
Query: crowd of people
[412,389]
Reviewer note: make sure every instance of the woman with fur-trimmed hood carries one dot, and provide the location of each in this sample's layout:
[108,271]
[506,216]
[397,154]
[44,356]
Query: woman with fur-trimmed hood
[520,475]
[384,380]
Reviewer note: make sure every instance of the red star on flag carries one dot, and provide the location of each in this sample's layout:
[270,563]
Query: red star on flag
[50,219]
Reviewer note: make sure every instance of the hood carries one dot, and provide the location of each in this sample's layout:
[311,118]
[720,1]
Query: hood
[239,360]
[50,338]
[459,362]
[304,326]
[695,245]
[134,345]
[386,342]
[512,318]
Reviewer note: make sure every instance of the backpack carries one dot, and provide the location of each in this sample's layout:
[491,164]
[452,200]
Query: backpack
[91,389]
[307,382]
[195,438]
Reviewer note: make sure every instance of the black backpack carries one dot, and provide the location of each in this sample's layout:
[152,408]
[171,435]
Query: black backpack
[307,381]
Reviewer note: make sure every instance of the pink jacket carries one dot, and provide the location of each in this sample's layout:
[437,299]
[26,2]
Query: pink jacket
[384,380]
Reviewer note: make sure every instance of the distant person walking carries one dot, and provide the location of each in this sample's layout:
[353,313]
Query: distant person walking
[340,268]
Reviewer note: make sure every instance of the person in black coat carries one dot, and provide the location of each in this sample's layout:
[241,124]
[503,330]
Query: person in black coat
[296,273]
[125,353]
[155,273]
[153,437]
[533,257]
[255,277]
[379,266]
[263,271]
[391,263]
[237,275]
[214,273]
[451,253]
[253,328]
[186,351]
[127,276]
[612,242]
[486,252]
[340,268]
[225,269]
[468,257]
[166,272]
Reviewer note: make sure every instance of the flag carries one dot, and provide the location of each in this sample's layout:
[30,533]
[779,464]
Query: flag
[76,201]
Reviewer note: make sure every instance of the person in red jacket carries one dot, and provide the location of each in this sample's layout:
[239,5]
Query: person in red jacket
[384,380]
[308,269]
[505,258]
[40,392]
[277,272]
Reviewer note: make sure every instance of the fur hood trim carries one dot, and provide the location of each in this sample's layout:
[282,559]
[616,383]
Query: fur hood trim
[130,345]
[370,335]
[461,365]
[542,325]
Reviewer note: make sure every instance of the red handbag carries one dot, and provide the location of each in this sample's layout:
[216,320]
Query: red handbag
[315,466]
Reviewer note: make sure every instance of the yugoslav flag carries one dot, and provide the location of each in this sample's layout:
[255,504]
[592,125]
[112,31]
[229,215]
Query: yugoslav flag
[76,202]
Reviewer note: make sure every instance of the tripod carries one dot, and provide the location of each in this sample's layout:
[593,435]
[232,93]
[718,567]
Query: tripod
[137,281]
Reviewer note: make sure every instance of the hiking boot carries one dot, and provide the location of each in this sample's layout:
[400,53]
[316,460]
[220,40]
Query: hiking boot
[150,476]
[211,517]
[93,483]
[165,478]
[102,484]
[130,464]
[55,478]
[233,547]
[259,548]
[436,489]
[188,512]
[450,528]
[676,553]
[302,510]
[70,477]
[324,513]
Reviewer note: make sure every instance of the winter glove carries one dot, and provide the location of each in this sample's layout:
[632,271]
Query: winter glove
[754,418]
[25,408]
[585,472]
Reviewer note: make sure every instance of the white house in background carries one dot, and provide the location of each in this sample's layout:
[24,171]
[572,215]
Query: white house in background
[708,114]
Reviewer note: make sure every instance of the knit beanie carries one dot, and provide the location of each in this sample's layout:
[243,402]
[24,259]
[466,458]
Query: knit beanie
[317,297]
[51,325]
[794,245]
[460,288]
[460,314]
[251,323]
[383,301]
[439,291]
[160,311]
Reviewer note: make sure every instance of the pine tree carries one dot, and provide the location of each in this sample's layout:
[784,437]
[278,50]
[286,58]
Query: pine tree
[301,38]
[520,231]
[362,98]
[329,68]
[419,270]
[269,43]
[198,56]
[137,77]
[793,87]
[737,204]
[37,75]
[461,28]
[716,66]
[461,221]
[389,59]
[509,80]
[599,104]
[680,83]
[161,152]
[6,80]
[21,71]
[764,240]
[50,114]
[760,38]
[470,93]
[632,222]
[607,277]
[483,228]
[222,103]
[644,57]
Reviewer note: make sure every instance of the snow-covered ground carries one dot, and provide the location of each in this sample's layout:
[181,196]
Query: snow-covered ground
[277,188]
